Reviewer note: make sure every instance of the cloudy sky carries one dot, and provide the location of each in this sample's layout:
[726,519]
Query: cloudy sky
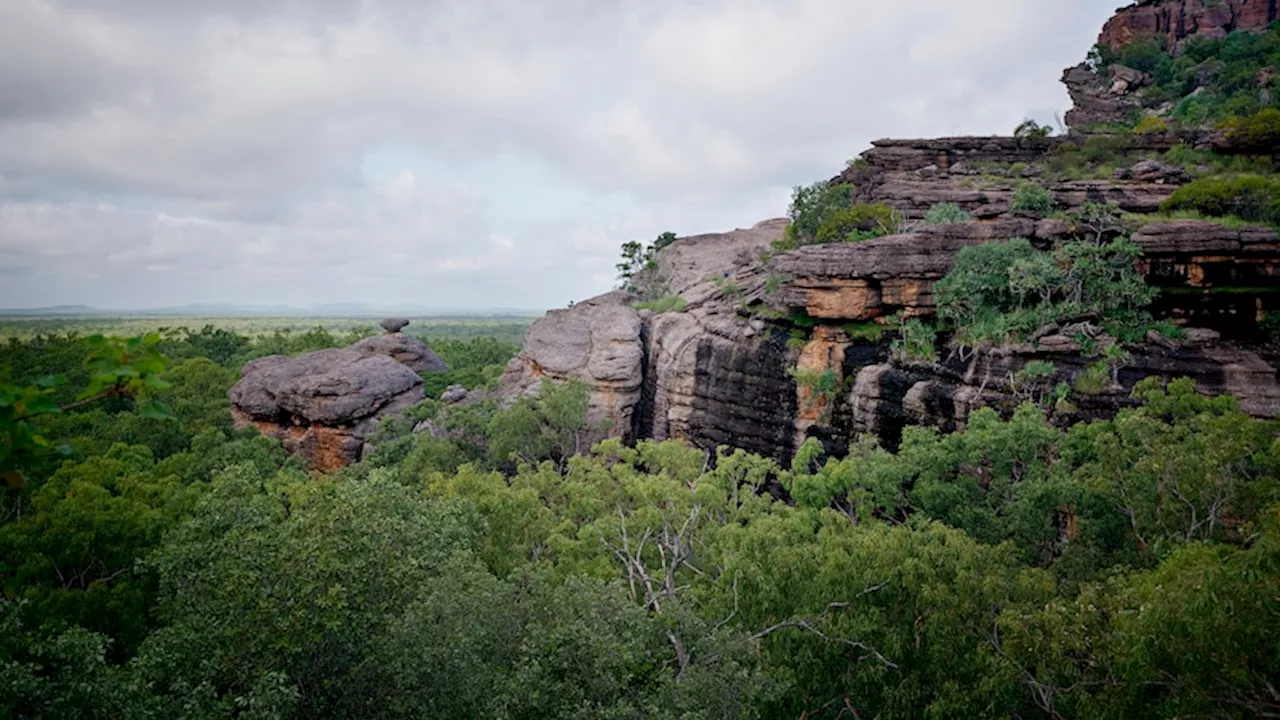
[460,153]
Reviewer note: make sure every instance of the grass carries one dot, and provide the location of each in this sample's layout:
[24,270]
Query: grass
[1230,221]
[670,303]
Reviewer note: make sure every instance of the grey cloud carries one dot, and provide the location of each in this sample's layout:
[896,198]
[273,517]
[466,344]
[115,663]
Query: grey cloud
[245,125]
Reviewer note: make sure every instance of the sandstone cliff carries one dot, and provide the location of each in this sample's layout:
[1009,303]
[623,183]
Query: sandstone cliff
[1176,21]
[770,348]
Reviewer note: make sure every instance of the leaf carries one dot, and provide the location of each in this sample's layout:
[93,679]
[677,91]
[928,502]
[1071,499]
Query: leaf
[13,479]
[155,383]
[51,381]
[156,411]
[42,405]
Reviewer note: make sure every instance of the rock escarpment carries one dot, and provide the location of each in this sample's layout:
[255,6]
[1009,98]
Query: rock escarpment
[323,405]
[1176,21]
[767,349]
[745,361]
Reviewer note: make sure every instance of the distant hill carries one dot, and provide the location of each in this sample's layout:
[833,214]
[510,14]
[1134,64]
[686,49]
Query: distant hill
[199,310]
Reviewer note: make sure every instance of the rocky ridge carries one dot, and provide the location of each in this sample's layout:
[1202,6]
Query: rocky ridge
[771,348]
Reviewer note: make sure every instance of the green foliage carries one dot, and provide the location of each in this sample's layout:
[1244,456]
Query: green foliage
[669,303]
[116,368]
[1252,198]
[474,363]
[916,341]
[998,292]
[497,567]
[1032,130]
[824,213]
[946,213]
[1031,197]
[1259,132]
[1208,81]
[637,272]
[861,221]
[1150,125]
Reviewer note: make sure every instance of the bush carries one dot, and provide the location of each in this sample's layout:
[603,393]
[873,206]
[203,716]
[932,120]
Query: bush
[946,213]
[857,222]
[916,342]
[1032,198]
[813,204]
[1259,132]
[1249,197]
[999,291]
[1150,125]
[1032,130]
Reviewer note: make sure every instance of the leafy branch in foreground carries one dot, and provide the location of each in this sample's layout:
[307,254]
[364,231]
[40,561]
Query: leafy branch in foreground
[118,368]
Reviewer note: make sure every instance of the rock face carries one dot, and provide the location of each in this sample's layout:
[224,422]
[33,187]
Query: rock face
[404,349]
[1176,21]
[323,405]
[598,342]
[727,370]
[772,348]
[978,175]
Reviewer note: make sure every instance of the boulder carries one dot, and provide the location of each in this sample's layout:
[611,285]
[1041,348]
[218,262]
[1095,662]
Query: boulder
[404,349]
[322,405]
[597,341]
[394,325]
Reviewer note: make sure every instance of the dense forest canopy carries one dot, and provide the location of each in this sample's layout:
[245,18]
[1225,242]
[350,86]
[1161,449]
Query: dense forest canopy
[159,563]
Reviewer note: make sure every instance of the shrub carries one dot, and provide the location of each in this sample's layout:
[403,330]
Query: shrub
[1032,130]
[916,341]
[1150,125]
[1000,291]
[1032,198]
[813,204]
[857,222]
[1249,197]
[946,213]
[1259,132]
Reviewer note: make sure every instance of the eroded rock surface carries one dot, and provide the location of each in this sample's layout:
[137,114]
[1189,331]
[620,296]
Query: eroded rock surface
[404,349]
[598,342]
[322,405]
[1176,21]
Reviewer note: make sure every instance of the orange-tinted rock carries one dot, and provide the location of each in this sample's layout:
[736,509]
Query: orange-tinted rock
[1174,21]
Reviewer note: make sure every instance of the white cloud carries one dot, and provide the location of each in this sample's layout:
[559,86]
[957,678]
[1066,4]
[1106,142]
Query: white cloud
[232,140]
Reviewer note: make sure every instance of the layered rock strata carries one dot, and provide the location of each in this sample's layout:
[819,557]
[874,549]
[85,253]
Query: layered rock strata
[324,405]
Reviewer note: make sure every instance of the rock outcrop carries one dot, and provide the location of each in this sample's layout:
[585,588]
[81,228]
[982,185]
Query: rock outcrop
[886,397]
[597,342]
[980,174]
[323,405]
[768,348]
[1176,21]
[733,369]
[404,349]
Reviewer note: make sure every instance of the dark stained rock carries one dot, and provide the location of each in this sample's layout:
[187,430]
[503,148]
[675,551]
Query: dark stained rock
[404,349]
[886,396]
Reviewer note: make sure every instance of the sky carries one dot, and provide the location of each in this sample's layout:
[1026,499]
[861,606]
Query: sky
[460,153]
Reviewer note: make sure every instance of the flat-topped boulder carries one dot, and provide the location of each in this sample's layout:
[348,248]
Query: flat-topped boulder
[323,405]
